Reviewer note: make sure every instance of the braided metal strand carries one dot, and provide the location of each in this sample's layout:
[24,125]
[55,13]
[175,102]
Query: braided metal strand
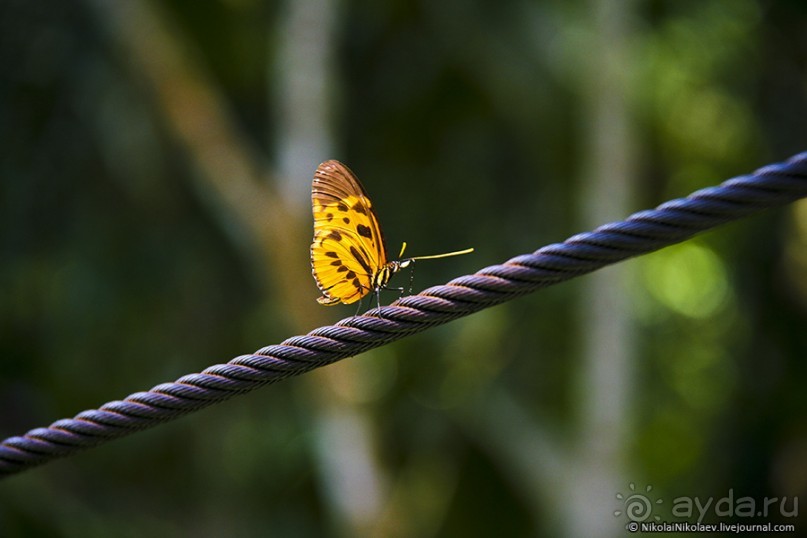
[642,232]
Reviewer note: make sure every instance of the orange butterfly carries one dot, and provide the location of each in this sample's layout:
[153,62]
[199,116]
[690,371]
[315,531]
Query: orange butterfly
[348,255]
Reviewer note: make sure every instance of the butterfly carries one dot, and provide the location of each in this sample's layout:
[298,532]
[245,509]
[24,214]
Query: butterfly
[348,254]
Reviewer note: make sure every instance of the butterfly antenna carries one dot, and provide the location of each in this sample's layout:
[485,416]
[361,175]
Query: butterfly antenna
[403,247]
[446,255]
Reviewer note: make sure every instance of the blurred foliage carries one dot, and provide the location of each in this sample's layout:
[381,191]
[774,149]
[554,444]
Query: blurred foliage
[118,272]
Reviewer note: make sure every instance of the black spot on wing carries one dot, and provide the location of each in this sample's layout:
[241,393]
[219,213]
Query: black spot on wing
[335,235]
[364,231]
[361,259]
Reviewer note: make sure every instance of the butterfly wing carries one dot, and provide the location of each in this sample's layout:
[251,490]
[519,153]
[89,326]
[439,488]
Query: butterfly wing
[348,248]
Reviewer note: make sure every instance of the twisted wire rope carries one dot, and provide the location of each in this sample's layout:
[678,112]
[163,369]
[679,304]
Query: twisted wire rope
[642,232]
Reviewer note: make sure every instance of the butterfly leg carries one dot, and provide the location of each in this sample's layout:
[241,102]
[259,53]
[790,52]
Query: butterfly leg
[400,291]
[411,277]
[408,291]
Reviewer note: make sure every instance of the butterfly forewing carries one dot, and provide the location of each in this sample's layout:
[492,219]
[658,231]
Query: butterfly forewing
[348,248]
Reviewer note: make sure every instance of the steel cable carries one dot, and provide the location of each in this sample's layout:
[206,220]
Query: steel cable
[642,232]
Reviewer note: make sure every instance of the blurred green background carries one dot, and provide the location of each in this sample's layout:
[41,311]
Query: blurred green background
[155,169]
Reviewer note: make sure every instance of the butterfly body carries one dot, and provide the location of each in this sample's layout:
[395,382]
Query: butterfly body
[348,254]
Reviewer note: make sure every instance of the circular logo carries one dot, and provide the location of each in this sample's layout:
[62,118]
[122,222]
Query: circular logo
[637,507]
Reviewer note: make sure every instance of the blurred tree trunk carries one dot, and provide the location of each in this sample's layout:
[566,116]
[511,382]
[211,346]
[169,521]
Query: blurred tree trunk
[230,170]
[267,215]
[349,471]
[608,343]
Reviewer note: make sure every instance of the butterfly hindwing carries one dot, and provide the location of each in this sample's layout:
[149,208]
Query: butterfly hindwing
[348,248]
